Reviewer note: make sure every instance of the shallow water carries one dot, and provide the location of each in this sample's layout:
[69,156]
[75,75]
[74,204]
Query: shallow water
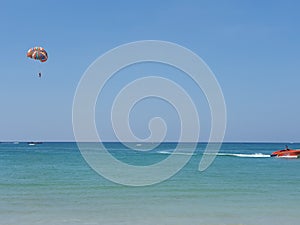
[51,183]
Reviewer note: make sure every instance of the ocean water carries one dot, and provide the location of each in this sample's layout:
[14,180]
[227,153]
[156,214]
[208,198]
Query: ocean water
[51,183]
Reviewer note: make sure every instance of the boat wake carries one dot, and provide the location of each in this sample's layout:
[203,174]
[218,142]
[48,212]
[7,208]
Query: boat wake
[254,155]
[175,153]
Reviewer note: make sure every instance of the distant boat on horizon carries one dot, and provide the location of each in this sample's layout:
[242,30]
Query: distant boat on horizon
[34,143]
[9,142]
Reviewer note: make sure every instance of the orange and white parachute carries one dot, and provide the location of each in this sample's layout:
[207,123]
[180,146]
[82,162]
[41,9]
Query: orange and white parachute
[38,53]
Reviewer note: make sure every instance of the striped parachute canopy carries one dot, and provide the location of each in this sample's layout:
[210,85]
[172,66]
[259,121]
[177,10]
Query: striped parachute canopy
[38,53]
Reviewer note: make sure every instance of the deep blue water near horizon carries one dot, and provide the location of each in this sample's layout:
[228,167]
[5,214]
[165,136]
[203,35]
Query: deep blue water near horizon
[51,183]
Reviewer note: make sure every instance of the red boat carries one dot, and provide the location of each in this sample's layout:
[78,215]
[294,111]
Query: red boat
[287,153]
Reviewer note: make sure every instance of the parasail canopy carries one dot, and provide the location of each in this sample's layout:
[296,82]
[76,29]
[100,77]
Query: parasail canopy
[37,53]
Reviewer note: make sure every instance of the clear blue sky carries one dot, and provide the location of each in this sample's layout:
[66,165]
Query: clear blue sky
[253,47]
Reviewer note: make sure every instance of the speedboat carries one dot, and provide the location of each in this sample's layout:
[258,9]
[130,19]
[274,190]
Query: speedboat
[287,153]
[34,143]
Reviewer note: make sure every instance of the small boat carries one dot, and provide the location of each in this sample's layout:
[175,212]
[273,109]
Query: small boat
[287,153]
[34,143]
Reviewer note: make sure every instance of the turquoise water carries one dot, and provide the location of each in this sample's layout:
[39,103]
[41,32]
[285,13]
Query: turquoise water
[51,183]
